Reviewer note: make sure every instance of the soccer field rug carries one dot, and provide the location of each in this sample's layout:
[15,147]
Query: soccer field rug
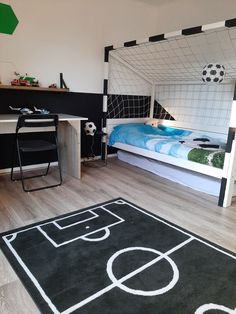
[118,258]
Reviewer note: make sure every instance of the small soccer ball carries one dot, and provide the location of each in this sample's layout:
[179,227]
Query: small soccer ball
[213,73]
[90,128]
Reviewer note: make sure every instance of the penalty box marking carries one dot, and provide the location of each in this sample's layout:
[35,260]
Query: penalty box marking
[55,222]
[86,235]
[11,237]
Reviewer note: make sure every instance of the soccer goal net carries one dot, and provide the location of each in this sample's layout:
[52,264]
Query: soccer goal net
[170,74]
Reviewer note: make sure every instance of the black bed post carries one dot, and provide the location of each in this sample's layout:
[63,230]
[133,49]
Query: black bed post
[105,96]
[231,136]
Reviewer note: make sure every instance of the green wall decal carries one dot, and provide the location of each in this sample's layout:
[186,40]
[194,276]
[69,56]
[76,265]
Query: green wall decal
[8,19]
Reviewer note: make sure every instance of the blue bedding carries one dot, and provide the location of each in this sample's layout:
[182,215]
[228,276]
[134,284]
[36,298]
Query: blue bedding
[171,141]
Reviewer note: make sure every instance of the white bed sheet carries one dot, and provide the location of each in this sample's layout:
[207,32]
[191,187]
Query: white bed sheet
[182,176]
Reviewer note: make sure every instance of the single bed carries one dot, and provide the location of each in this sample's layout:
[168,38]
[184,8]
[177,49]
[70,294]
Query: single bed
[193,158]
[181,144]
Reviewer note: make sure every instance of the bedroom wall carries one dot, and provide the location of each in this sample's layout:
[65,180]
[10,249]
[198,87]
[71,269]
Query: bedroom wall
[68,36]
[56,36]
[173,15]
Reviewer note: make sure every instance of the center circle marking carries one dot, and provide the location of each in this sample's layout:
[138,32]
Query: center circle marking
[119,282]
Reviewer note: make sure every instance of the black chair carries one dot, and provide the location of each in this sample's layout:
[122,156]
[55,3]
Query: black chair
[24,146]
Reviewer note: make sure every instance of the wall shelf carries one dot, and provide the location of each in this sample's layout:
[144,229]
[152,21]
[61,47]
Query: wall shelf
[34,88]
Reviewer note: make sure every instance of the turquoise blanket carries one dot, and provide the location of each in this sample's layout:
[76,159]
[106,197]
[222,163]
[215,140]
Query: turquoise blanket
[179,143]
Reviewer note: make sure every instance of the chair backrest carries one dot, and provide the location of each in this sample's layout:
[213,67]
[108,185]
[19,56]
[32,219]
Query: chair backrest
[37,121]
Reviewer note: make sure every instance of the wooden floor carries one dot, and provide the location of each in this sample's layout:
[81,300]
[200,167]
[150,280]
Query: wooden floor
[192,210]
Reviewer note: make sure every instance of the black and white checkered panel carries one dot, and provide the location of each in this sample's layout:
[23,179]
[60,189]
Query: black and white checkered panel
[129,94]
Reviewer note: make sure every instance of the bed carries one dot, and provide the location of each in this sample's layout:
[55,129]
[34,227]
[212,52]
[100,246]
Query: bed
[164,77]
[144,146]
[179,143]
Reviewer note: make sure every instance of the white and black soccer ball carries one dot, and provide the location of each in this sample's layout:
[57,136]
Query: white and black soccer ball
[213,73]
[90,128]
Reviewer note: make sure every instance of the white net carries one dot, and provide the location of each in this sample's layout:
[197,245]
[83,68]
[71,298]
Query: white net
[129,94]
[124,81]
[175,66]
[206,105]
[183,58]
[126,106]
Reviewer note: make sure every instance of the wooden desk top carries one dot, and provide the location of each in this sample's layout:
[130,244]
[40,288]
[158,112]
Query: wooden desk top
[6,118]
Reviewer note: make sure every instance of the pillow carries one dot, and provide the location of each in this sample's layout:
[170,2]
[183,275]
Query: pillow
[152,122]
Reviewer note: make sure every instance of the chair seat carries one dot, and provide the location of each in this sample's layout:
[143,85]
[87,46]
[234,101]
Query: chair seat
[36,146]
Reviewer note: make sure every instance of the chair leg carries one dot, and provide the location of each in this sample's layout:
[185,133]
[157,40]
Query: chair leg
[22,178]
[59,165]
[12,168]
[47,169]
[12,171]
[12,163]
[21,170]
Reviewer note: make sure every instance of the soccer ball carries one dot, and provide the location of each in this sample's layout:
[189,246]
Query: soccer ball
[213,73]
[90,128]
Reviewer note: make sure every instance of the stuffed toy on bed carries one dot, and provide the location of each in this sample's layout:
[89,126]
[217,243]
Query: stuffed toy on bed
[152,122]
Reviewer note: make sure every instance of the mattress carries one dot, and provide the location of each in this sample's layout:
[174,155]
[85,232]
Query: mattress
[179,143]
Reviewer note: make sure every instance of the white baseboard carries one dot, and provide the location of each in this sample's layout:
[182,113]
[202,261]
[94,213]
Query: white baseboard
[97,157]
[39,166]
[26,168]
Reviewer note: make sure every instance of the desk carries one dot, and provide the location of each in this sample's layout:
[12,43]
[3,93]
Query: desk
[69,132]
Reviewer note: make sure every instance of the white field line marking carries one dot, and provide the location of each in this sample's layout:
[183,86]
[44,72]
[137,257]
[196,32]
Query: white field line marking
[55,222]
[112,285]
[128,276]
[155,260]
[105,236]
[49,222]
[184,232]
[211,306]
[162,290]
[31,276]
[47,237]
[26,269]
[84,235]
[118,217]
[13,237]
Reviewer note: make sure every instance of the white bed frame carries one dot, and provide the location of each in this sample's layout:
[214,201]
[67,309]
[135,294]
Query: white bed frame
[227,174]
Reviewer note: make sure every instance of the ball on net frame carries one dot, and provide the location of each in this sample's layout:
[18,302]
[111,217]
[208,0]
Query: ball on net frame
[213,73]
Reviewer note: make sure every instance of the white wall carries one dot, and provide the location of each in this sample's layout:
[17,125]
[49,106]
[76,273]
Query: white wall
[68,36]
[173,15]
[56,36]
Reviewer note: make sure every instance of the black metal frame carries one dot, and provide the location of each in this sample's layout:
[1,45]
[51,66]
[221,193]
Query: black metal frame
[32,121]
[62,82]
